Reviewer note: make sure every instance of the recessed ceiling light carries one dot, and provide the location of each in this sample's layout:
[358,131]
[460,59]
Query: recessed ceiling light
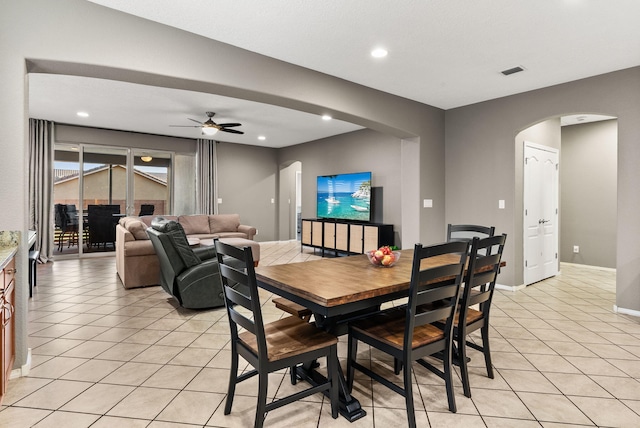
[262,138]
[82,114]
[326,117]
[379,53]
[581,118]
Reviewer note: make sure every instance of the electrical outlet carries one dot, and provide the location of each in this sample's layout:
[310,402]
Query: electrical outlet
[576,249]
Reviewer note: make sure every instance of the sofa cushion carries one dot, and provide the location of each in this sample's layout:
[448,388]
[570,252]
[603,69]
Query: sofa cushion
[194,224]
[136,227]
[224,223]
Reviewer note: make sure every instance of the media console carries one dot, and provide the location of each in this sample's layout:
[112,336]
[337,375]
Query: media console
[345,237]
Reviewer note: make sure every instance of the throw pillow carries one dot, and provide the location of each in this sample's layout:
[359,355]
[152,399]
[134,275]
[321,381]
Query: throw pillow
[138,229]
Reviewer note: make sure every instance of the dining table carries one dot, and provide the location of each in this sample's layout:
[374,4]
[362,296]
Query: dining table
[338,290]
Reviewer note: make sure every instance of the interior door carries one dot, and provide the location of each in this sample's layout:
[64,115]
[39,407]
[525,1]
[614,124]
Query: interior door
[541,178]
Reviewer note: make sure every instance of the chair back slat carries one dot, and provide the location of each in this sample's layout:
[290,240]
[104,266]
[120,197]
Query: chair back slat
[468,231]
[242,320]
[480,279]
[434,291]
[438,292]
[431,316]
[237,297]
[237,269]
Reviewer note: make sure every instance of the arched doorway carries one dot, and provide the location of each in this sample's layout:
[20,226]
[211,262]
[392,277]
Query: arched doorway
[588,185]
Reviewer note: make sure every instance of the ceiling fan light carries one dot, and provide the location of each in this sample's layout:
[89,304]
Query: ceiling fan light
[146,158]
[209,130]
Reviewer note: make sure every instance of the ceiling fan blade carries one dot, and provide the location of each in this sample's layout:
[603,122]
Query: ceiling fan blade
[185,126]
[232,131]
[196,121]
[229,125]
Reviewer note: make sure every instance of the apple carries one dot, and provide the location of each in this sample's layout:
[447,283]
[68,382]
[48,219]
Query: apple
[388,259]
[379,255]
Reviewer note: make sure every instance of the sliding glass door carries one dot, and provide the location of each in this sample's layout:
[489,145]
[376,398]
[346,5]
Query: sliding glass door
[95,186]
[66,190]
[151,175]
[104,195]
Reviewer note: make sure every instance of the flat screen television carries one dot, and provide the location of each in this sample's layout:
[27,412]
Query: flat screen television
[344,196]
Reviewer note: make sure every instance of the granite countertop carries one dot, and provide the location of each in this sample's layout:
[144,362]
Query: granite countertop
[8,246]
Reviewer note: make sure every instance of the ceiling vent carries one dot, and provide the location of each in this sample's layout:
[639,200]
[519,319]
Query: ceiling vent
[512,70]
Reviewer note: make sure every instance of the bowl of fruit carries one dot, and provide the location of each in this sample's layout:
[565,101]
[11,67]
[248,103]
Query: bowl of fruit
[383,256]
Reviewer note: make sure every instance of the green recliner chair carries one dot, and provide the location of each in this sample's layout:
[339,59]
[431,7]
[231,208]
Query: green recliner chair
[190,275]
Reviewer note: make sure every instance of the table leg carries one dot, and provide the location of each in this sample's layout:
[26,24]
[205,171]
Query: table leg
[349,407]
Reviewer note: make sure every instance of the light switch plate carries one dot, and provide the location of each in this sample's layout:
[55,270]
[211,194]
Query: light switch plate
[427,203]
[219,200]
[501,204]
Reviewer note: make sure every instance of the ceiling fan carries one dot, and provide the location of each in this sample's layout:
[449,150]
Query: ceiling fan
[209,127]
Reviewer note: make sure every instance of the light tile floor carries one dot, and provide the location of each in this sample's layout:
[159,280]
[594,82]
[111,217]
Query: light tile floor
[104,356]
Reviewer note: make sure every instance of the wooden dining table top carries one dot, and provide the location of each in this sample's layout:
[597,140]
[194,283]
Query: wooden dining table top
[343,280]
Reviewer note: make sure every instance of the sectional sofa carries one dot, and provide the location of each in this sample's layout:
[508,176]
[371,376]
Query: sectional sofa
[136,261]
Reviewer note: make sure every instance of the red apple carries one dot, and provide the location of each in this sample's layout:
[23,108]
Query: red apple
[379,255]
[388,259]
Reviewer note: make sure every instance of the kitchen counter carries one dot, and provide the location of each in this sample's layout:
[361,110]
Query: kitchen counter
[8,246]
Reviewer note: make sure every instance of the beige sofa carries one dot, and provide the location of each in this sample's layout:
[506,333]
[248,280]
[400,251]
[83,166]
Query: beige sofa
[136,261]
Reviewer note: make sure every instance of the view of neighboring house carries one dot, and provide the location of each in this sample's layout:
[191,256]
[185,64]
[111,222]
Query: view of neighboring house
[107,184]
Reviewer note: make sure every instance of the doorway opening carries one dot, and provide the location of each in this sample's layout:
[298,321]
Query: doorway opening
[587,189]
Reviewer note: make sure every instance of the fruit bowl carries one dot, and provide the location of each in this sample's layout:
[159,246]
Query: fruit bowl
[383,258]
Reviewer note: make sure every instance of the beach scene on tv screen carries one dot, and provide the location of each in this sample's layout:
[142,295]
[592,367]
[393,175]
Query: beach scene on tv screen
[345,196]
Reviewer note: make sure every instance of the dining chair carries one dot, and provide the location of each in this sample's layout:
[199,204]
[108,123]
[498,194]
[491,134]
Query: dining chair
[412,332]
[284,343]
[468,231]
[479,283]
[146,209]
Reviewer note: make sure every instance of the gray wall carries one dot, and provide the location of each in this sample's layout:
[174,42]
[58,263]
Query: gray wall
[488,129]
[247,181]
[363,150]
[588,177]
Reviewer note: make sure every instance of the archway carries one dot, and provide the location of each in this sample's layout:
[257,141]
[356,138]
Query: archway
[588,184]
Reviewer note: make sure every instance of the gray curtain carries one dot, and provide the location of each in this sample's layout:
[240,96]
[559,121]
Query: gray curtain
[41,185]
[206,186]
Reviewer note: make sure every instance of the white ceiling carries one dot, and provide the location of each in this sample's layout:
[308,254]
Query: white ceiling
[445,53]
[150,109]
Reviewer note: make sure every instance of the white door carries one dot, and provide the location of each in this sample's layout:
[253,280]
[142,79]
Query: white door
[540,212]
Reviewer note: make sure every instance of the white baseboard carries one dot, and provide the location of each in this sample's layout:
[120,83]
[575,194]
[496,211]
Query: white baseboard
[626,311]
[606,269]
[513,288]
[24,370]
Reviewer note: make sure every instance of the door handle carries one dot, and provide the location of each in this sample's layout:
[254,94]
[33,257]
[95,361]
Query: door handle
[543,221]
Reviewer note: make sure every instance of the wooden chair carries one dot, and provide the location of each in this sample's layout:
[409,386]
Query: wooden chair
[479,283]
[468,231]
[408,334]
[269,347]
[146,209]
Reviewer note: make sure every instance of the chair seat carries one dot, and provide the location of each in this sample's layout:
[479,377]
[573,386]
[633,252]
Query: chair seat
[389,327]
[289,336]
[292,307]
[472,316]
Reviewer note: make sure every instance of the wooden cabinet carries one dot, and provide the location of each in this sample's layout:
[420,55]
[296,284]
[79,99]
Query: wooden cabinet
[7,319]
[345,237]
